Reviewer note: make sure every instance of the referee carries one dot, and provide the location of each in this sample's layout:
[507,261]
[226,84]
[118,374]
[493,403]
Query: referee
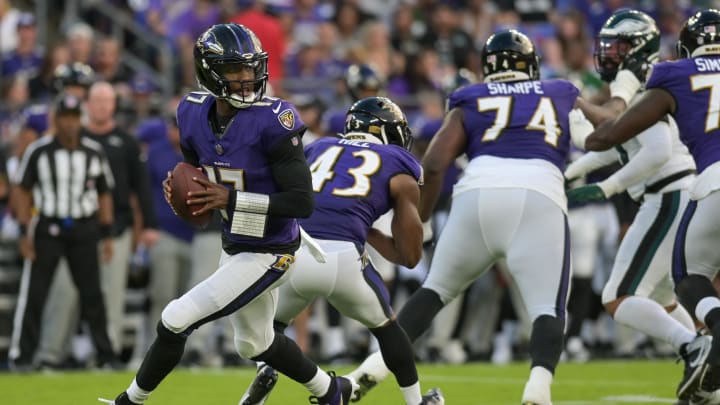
[68,181]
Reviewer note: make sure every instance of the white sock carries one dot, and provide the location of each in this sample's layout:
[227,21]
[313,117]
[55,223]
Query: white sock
[649,317]
[412,394]
[137,394]
[706,305]
[319,384]
[374,365]
[681,315]
[537,389]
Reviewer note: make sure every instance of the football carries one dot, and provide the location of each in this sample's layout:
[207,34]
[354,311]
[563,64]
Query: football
[182,183]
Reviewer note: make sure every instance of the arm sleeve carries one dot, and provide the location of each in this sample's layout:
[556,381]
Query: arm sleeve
[140,183]
[292,175]
[655,150]
[589,162]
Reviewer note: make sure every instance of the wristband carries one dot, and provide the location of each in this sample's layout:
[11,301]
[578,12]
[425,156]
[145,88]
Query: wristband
[105,231]
[22,228]
[250,213]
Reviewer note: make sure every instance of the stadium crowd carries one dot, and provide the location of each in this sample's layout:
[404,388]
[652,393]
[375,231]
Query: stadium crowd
[323,54]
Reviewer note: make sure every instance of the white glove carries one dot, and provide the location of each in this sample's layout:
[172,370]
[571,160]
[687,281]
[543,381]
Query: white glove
[610,186]
[315,250]
[625,86]
[427,231]
[580,127]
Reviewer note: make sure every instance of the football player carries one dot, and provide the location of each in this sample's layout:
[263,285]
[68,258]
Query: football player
[689,90]
[351,192]
[657,171]
[249,146]
[509,204]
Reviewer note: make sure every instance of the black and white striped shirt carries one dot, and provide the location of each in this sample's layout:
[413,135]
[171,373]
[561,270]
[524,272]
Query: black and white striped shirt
[65,183]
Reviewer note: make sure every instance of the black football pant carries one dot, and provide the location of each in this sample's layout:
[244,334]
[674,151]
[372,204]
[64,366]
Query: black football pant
[78,243]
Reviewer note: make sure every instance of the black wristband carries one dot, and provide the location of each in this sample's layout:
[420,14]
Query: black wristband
[105,231]
[23,229]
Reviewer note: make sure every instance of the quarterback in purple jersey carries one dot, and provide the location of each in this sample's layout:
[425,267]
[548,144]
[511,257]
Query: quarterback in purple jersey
[356,179]
[510,202]
[689,90]
[249,145]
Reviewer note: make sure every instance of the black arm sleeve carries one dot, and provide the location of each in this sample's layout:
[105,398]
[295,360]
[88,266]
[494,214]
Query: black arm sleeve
[292,175]
[190,156]
[140,183]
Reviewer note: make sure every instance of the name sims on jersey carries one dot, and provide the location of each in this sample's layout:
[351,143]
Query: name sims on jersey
[515,88]
[354,143]
[707,65]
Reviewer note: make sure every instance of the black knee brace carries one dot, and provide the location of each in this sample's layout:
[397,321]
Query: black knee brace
[417,314]
[397,352]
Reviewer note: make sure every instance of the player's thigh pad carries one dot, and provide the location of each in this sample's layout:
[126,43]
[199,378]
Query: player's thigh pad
[699,238]
[538,255]
[645,253]
[240,279]
[480,226]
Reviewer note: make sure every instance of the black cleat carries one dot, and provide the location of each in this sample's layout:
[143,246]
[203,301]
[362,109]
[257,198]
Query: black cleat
[121,399]
[261,387]
[694,354]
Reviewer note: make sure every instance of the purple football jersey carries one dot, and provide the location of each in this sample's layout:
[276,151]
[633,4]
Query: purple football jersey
[695,85]
[522,120]
[351,182]
[239,159]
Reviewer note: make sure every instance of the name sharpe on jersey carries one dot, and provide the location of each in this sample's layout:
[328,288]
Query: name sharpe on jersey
[515,88]
[707,65]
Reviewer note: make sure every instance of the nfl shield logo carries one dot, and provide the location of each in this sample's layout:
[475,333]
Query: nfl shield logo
[294,141]
[287,119]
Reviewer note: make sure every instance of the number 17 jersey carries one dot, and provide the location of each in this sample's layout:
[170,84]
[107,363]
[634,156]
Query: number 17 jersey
[351,181]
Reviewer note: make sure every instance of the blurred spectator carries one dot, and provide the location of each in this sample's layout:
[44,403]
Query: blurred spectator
[8,26]
[15,96]
[477,20]
[374,48]
[170,256]
[348,19]
[107,62]
[406,31]
[80,39]
[271,34]
[187,27]
[41,86]
[453,45]
[27,56]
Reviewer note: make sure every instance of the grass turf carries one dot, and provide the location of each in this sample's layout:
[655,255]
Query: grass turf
[602,383]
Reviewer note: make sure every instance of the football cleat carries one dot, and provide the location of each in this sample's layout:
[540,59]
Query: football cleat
[121,399]
[701,397]
[694,354]
[366,383]
[261,387]
[345,387]
[433,397]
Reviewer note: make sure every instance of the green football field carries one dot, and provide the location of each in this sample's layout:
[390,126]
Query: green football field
[613,382]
